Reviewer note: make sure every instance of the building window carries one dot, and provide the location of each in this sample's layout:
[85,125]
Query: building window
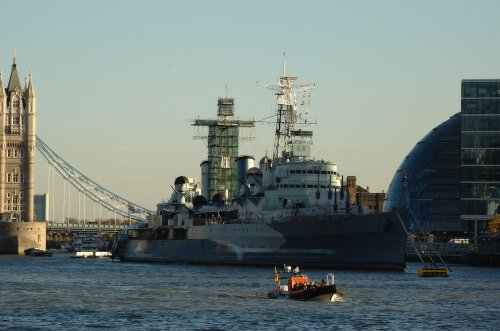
[9,152]
[15,103]
[7,202]
[15,201]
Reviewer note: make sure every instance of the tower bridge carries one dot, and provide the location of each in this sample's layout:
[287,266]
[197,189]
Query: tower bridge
[94,208]
[99,197]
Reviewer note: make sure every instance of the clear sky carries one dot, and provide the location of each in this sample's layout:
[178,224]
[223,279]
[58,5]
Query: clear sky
[118,82]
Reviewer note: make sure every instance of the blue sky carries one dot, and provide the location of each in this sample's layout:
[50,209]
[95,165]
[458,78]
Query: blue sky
[118,82]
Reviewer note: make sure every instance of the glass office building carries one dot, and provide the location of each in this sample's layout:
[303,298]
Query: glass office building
[428,182]
[480,178]
[451,178]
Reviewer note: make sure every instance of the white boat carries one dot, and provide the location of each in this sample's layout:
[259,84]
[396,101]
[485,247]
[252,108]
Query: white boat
[92,254]
[87,241]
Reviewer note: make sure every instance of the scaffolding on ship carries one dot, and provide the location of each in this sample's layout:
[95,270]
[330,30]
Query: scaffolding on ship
[222,140]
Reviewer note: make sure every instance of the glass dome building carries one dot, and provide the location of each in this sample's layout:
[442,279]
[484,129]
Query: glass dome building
[428,181]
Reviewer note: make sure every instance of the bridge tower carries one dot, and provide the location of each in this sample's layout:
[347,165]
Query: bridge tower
[17,148]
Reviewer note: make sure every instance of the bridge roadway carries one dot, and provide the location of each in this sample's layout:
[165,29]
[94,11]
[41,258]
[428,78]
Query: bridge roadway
[55,226]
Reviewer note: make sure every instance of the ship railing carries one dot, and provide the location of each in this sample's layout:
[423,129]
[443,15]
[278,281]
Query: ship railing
[443,249]
[62,226]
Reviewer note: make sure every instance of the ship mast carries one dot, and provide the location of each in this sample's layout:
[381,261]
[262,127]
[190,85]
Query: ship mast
[286,113]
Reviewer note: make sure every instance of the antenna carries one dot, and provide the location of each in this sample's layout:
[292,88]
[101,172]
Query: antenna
[284,64]
[14,61]
[226,91]
[286,115]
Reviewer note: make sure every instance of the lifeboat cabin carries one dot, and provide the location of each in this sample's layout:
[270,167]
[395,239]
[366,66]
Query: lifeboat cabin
[297,282]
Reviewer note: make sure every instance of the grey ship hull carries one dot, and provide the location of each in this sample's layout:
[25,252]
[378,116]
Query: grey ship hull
[370,242]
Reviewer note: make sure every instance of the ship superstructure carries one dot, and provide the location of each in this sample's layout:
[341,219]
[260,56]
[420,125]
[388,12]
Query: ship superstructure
[222,142]
[290,144]
[291,185]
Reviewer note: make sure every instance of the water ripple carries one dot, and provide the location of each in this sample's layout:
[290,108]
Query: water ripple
[71,294]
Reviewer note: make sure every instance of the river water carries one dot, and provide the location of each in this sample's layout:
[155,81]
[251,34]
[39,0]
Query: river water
[62,293]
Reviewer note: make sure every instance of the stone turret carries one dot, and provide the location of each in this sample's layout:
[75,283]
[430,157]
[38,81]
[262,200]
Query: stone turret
[17,148]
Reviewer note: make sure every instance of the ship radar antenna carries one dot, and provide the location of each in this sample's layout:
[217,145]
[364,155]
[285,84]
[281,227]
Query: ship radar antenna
[287,117]
[284,64]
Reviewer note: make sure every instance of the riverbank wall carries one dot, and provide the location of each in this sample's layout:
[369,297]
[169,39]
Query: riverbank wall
[15,237]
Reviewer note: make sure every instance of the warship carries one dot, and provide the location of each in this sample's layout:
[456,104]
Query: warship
[292,208]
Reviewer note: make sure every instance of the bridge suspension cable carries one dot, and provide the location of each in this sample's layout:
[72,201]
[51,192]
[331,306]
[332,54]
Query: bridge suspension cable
[90,188]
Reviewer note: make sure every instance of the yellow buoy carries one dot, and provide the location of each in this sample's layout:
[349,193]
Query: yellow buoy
[432,272]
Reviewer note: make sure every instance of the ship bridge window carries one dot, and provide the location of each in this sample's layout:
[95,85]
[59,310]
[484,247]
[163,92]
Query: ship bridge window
[323,172]
[309,171]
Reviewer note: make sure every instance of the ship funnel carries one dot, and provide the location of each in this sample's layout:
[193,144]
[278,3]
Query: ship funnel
[243,164]
[204,178]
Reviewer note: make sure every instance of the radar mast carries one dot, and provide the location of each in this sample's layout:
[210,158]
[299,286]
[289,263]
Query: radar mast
[287,117]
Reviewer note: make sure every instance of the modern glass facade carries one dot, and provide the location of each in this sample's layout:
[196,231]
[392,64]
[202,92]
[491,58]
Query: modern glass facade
[451,178]
[480,151]
[428,181]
